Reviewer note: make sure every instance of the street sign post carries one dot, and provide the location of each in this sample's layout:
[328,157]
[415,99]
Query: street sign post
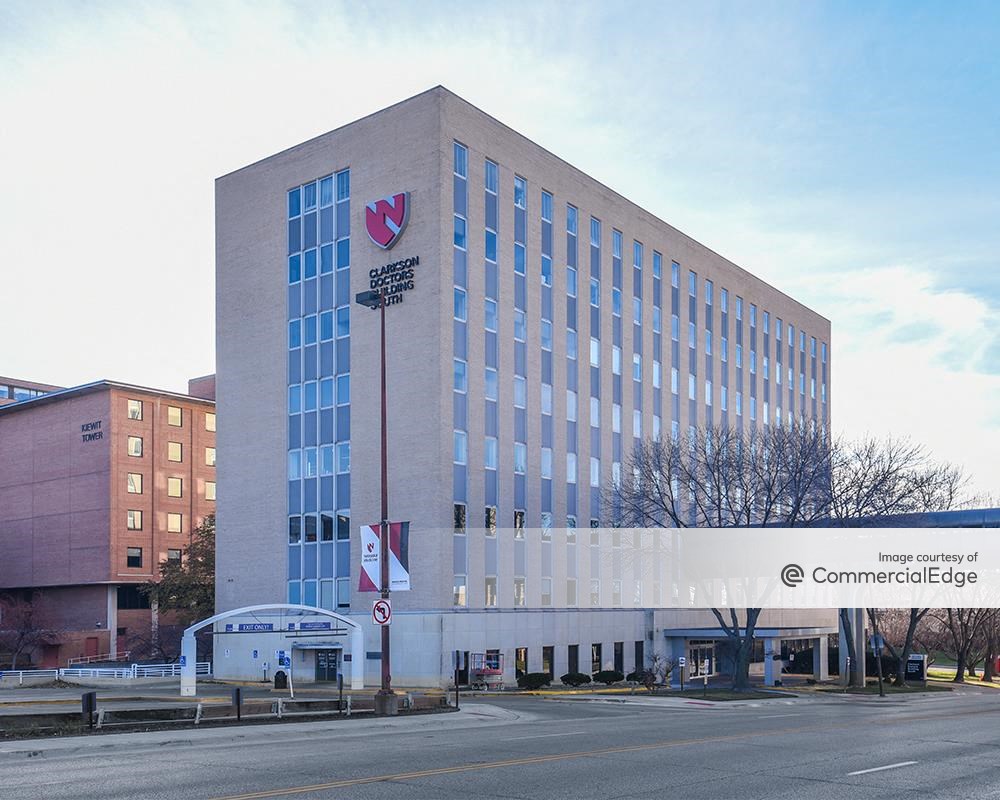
[382,611]
[681,664]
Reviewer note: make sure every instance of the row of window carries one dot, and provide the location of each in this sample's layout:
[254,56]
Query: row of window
[19,393]
[324,393]
[175,521]
[304,198]
[133,484]
[322,327]
[175,451]
[133,560]
[490,524]
[460,595]
[329,594]
[311,462]
[319,527]
[175,415]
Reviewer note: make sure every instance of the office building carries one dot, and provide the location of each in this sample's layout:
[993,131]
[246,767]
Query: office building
[538,324]
[99,484]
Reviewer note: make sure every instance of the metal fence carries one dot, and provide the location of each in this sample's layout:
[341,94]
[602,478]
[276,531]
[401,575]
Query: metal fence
[121,673]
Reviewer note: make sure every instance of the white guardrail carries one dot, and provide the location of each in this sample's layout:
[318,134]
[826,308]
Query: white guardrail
[121,673]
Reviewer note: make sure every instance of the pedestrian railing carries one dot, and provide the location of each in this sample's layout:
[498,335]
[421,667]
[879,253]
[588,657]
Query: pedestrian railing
[120,656]
[20,674]
[121,673]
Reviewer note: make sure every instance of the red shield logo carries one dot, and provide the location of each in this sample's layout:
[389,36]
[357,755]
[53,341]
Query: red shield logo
[386,219]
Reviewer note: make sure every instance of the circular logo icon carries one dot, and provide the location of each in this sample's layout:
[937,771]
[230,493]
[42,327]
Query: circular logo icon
[792,575]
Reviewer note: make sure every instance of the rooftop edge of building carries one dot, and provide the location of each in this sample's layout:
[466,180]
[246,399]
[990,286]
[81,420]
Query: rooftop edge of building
[441,91]
[95,386]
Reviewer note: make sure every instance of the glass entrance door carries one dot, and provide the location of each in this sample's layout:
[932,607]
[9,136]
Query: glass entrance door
[701,659]
[327,665]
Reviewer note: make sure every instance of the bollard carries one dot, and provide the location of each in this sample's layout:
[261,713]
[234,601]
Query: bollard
[238,702]
[340,692]
[89,706]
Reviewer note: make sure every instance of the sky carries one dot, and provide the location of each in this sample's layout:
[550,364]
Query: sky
[847,153]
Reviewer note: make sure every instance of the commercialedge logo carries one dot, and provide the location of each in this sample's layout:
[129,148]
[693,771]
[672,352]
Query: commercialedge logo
[385,219]
[792,575]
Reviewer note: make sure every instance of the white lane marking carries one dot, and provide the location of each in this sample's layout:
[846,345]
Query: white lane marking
[776,716]
[544,736]
[879,769]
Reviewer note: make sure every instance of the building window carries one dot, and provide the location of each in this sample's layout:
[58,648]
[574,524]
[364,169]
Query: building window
[173,556]
[595,292]
[571,468]
[460,598]
[461,160]
[343,458]
[210,422]
[135,409]
[490,453]
[209,456]
[547,596]
[490,520]
[133,557]
[133,520]
[546,468]
[519,592]
[490,586]
[520,192]
[595,352]
[461,448]
[492,178]
[209,490]
[174,487]
[460,304]
[519,524]
[135,446]
[134,483]
[460,383]
[570,405]
[174,451]
[174,416]
[595,471]
[520,458]
[459,516]
[174,522]
[343,592]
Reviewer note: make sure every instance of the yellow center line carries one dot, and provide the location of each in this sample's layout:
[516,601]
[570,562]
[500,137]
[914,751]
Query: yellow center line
[515,762]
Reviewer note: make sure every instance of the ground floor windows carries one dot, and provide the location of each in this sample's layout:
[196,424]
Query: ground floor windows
[520,661]
[595,657]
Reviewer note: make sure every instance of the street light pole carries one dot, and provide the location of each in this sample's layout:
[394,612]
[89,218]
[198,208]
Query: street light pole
[386,702]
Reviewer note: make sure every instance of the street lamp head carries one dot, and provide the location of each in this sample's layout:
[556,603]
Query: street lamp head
[372,299]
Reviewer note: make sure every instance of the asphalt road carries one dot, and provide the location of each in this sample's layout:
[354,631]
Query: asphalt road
[929,746]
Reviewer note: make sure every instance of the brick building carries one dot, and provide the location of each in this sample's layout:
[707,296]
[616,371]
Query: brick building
[98,484]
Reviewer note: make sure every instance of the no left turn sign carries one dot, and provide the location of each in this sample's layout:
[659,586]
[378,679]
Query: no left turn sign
[381,612]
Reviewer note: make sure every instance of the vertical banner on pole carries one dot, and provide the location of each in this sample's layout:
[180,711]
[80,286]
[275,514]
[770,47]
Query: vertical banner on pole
[369,579]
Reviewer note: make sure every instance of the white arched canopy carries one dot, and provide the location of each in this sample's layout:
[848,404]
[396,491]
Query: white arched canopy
[189,650]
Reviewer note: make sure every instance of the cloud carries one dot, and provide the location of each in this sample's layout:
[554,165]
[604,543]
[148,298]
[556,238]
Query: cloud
[819,148]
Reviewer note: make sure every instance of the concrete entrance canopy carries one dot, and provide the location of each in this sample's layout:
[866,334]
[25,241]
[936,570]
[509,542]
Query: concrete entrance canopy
[288,630]
[677,646]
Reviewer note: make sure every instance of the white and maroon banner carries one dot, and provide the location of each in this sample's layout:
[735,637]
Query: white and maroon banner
[399,558]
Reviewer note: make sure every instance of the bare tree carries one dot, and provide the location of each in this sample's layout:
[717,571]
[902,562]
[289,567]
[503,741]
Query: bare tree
[788,476]
[23,627]
[960,635]
[899,628]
